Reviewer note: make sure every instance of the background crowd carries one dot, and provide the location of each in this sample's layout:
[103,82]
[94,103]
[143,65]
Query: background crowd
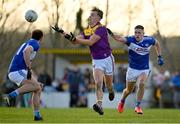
[78,82]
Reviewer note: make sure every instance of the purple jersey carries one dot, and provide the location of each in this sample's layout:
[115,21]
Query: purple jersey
[101,49]
[139,52]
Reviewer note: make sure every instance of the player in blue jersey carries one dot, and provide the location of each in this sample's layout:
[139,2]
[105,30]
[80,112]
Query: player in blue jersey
[20,71]
[138,70]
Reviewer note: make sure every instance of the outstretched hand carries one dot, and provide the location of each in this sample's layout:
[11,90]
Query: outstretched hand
[70,36]
[57,29]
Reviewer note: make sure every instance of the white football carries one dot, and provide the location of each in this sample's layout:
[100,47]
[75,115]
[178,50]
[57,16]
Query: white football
[31,16]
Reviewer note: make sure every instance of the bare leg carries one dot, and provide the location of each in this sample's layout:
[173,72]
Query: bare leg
[98,77]
[29,86]
[141,84]
[129,88]
[109,83]
[36,99]
[33,86]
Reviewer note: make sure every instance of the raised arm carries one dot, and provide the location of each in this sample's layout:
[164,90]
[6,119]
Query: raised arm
[78,39]
[117,37]
[93,39]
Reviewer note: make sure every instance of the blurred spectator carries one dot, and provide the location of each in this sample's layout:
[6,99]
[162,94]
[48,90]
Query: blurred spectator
[122,74]
[60,85]
[1,98]
[26,100]
[88,79]
[7,87]
[48,88]
[166,97]
[45,78]
[47,81]
[120,79]
[158,81]
[74,79]
[176,88]
[56,84]
[82,96]
[63,86]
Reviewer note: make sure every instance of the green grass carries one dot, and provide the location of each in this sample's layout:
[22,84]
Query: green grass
[81,115]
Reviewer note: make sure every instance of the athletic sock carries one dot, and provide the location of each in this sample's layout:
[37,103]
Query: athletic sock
[14,94]
[123,100]
[138,103]
[110,90]
[37,113]
[99,103]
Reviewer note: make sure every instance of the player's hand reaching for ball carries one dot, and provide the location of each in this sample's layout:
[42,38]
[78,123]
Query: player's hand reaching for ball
[70,37]
[57,29]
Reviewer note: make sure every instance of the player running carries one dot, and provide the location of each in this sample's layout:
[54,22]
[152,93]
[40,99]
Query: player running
[20,72]
[138,70]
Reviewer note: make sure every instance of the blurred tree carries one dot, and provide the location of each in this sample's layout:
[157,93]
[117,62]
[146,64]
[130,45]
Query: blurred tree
[53,15]
[79,26]
[133,12]
[9,38]
[169,61]
[107,12]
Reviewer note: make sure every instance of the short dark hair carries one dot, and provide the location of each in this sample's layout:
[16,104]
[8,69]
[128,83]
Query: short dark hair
[37,34]
[139,27]
[99,12]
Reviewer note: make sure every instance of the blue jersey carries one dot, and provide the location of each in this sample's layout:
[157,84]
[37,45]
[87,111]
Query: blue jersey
[18,62]
[176,80]
[139,52]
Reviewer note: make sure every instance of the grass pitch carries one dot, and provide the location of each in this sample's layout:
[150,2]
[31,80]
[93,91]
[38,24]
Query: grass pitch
[87,115]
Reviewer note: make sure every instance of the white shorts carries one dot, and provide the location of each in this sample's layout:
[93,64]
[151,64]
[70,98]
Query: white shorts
[18,76]
[133,74]
[106,65]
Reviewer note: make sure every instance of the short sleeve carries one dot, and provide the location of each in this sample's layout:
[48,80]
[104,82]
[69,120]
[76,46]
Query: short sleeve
[153,41]
[82,33]
[35,45]
[101,31]
[129,40]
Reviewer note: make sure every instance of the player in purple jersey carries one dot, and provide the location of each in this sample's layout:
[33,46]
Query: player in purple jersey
[20,72]
[138,70]
[96,37]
